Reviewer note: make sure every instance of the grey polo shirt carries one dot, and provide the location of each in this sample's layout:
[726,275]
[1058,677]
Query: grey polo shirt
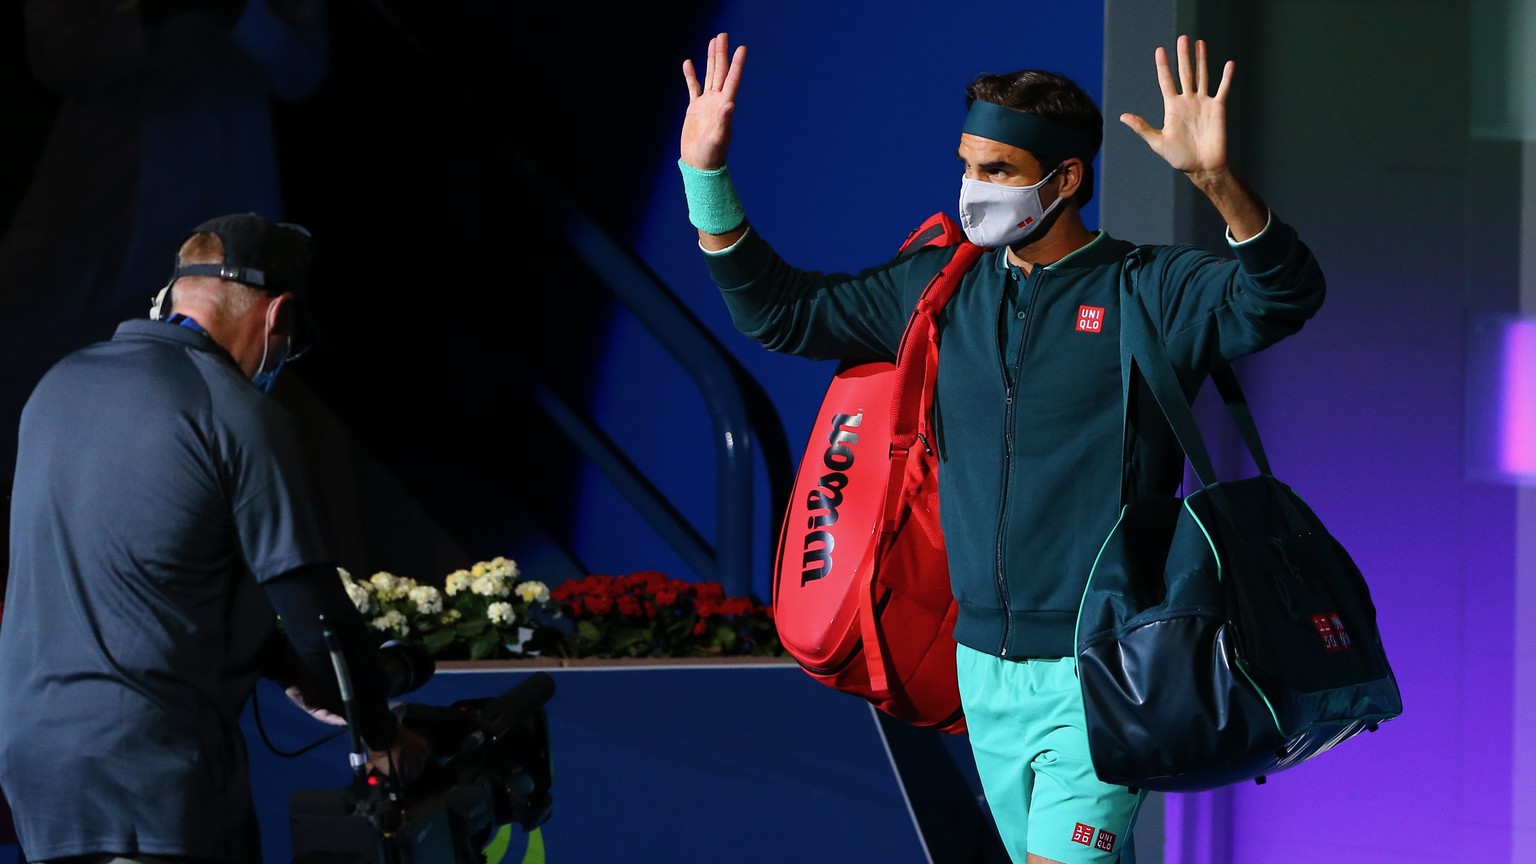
[155,488]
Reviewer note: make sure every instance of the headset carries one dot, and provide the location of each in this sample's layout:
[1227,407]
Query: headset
[157,302]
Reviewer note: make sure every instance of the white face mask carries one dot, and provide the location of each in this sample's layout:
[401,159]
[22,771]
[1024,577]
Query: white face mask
[996,215]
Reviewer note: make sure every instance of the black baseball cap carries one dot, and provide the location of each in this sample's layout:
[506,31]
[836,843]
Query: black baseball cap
[271,256]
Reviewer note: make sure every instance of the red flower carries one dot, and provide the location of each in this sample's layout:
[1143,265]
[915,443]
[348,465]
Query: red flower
[700,607]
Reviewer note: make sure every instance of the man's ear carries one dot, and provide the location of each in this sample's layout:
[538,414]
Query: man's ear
[1070,175]
[280,314]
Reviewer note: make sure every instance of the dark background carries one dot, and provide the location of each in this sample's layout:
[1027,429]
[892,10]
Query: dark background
[440,278]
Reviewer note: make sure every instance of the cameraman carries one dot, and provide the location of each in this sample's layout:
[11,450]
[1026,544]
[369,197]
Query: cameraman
[159,519]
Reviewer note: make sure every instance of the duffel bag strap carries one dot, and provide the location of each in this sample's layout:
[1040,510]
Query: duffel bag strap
[1152,362]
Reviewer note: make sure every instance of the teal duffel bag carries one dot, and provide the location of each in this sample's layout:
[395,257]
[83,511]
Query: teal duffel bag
[1226,635]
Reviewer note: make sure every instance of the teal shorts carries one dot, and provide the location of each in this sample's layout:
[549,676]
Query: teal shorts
[1025,722]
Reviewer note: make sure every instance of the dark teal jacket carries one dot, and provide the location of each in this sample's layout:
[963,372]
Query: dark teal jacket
[1029,413]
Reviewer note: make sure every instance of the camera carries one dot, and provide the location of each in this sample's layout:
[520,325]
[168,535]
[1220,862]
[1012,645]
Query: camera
[490,767]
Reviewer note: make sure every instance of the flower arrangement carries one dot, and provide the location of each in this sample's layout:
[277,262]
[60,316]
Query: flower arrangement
[647,614]
[483,612]
[489,611]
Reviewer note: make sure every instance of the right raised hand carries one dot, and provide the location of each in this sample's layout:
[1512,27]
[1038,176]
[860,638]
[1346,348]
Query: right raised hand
[707,125]
[1194,134]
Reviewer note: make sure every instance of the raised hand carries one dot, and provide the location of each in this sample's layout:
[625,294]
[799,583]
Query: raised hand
[707,125]
[1194,134]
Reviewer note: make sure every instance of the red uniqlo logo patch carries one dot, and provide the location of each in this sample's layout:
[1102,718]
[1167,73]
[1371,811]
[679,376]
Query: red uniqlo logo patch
[1090,319]
[1105,843]
[1082,834]
[1330,628]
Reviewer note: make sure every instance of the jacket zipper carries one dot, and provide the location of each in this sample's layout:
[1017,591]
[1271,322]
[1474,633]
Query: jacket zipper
[1009,408]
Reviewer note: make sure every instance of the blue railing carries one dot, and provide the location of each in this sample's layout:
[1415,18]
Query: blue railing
[730,559]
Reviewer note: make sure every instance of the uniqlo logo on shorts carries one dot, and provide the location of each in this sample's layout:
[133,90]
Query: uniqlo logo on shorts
[1090,319]
[1105,843]
[1082,834]
[1330,628]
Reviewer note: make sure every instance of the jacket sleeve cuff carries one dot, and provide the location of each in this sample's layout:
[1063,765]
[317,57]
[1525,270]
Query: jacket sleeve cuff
[740,263]
[1269,219]
[1267,249]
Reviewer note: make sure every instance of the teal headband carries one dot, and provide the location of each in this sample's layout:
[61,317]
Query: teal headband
[1041,136]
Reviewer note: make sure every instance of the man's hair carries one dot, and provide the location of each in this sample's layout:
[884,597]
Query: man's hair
[230,299]
[1050,95]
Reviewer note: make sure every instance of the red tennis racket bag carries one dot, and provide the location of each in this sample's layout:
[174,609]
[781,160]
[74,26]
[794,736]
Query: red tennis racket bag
[861,592]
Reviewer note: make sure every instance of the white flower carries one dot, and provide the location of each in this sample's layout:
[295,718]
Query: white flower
[457,581]
[489,585]
[500,613]
[426,598]
[503,568]
[533,592]
[360,597]
[345,576]
[392,622]
[386,585]
[492,578]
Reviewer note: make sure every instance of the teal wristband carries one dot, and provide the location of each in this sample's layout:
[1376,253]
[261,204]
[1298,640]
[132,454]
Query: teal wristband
[712,204]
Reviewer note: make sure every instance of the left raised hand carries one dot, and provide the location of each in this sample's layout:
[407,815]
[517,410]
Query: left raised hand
[1194,134]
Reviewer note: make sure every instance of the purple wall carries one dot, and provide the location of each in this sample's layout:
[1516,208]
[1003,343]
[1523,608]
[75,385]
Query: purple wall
[1415,220]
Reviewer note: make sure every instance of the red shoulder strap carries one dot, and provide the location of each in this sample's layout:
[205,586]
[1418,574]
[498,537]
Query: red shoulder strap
[940,229]
[917,358]
[911,404]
